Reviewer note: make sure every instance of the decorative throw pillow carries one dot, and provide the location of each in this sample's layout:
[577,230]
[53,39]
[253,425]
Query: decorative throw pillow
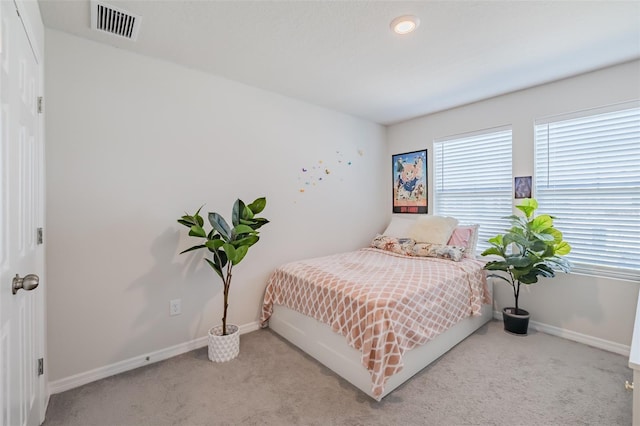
[394,245]
[399,226]
[465,236]
[433,229]
[438,250]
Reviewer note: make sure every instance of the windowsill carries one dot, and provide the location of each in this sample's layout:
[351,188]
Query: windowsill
[612,275]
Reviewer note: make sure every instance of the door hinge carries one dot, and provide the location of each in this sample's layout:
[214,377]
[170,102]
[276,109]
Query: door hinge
[40,366]
[39,236]
[39,104]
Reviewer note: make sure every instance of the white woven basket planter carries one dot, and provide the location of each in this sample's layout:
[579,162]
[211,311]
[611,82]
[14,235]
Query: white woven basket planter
[224,348]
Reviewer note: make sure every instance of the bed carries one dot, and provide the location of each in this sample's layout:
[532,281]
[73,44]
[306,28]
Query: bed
[378,315]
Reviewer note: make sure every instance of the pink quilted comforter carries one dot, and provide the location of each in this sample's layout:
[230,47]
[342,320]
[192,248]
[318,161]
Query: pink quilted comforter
[383,303]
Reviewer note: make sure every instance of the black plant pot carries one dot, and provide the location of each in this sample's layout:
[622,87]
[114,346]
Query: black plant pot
[515,323]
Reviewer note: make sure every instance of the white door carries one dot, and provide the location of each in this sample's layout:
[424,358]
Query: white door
[21,214]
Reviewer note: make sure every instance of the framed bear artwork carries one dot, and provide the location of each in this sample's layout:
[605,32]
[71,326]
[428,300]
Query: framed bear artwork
[410,182]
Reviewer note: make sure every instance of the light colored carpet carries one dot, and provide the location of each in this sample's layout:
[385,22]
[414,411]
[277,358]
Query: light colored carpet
[491,378]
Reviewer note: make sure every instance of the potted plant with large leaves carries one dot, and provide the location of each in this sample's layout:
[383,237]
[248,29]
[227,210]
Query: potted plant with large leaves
[531,248]
[227,245]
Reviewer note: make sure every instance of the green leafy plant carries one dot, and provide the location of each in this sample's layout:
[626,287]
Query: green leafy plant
[228,245]
[539,248]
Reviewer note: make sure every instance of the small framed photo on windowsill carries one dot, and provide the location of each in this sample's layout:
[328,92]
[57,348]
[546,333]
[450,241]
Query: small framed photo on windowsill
[522,187]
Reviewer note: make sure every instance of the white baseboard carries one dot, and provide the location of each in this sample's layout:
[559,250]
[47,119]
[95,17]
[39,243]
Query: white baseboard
[596,342]
[80,379]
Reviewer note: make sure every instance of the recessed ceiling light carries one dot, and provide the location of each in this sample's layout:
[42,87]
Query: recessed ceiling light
[405,24]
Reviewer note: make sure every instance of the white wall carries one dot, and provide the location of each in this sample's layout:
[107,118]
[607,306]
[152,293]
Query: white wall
[133,142]
[600,308]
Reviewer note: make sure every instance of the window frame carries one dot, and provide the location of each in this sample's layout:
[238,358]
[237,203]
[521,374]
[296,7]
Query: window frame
[494,222]
[584,268]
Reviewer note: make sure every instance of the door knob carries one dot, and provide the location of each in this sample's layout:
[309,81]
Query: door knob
[29,282]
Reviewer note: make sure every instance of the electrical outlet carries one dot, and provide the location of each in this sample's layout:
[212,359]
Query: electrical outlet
[175,307]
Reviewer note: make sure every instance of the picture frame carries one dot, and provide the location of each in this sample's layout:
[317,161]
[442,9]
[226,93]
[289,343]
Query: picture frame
[522,187]
[409,182]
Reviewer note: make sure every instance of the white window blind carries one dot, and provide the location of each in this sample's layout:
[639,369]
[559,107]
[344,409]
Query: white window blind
[588,176]
[473,178]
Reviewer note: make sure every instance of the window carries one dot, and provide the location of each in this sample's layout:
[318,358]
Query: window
[473,180]
[588,176]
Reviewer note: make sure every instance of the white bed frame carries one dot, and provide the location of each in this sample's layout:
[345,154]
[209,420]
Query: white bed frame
[331,349]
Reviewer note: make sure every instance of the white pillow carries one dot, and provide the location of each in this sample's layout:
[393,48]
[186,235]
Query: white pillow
[399,226]
[433,229]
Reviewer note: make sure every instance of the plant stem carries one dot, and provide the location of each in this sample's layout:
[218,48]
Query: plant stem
[516,290]
[227,285]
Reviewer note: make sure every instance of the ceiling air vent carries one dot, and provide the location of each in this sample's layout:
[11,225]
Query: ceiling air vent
[114,21]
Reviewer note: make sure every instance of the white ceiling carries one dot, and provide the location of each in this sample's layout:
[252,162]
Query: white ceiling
[342,54]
